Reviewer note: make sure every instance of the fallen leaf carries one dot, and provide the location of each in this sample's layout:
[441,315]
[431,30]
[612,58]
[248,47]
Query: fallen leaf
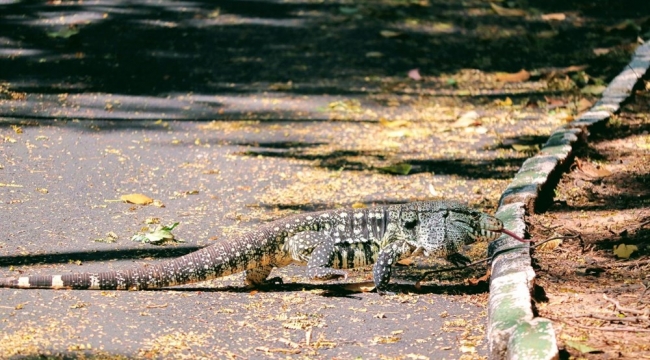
[573,68]
[624,251]
[583,104]
[137,199]
[591,170]
[64,33]
[415,74]
[520,76]
[398,169]
[525,148]
[623,25]
[500,10]
[467,349]
[359,205]
[385,339]
[466,119]
[281,86]
[554,102]
[506,102]
[393,124]
[593,89]
[390,33]
[156,235]
[348,10]
[554,16]
[583,348]
[601,51]
[406,262]
[549,246]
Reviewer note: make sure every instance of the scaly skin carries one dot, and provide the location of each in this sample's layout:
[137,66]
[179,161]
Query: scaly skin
[326,242]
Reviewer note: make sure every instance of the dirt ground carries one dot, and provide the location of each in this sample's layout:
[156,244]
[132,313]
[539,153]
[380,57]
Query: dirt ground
[589,283]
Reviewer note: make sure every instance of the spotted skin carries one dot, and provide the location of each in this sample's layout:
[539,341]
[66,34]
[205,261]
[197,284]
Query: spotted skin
[326,242]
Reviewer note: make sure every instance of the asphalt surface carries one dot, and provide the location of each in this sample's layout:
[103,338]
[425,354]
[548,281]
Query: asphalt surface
[59,186]
[312,106]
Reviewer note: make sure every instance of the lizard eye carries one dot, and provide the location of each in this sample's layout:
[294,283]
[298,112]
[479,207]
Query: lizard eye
[410,224]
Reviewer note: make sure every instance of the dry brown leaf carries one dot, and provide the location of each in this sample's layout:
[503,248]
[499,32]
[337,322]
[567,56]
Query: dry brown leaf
[554,16]
[137,199]
[520,76]
[406,262]
[554,102]
[467,119]
[415,74]
[584,104]
[591,170]
[385,339]
[500,10]
[549,246]
[601,51]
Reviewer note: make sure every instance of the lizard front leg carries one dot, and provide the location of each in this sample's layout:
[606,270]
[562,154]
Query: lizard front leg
[388,256]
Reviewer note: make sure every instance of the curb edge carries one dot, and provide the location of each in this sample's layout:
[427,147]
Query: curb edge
[514,332]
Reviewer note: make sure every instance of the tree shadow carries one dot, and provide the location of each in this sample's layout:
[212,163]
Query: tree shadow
[360,160]
[94,256]
[145,51]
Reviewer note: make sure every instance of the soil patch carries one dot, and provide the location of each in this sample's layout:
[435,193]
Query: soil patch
[593,283]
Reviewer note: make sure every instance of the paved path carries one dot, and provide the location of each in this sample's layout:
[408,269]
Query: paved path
[313,109]
[59,181]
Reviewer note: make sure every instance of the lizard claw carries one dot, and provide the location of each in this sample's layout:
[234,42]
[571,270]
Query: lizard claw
[383,292]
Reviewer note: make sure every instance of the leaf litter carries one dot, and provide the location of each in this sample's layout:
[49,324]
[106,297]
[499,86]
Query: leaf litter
[594,275]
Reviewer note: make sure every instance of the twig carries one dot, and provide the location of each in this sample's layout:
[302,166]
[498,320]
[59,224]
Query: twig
[624,328]
[556,238]
[612,318]
[625,309]
[628,263]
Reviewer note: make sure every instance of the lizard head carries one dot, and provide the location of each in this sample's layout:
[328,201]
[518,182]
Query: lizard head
[445,227]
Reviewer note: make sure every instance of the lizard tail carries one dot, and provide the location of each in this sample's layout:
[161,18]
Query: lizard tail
[224,258]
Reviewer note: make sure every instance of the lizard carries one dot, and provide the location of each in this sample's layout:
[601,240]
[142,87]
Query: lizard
[326,242]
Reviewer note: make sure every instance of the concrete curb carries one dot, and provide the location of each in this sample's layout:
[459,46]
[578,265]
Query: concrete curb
[514,332]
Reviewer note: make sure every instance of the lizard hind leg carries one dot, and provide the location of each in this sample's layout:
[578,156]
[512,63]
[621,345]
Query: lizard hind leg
[258,276]
[317,249]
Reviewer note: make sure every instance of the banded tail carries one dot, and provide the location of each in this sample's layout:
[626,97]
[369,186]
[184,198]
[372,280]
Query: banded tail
[257,249]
